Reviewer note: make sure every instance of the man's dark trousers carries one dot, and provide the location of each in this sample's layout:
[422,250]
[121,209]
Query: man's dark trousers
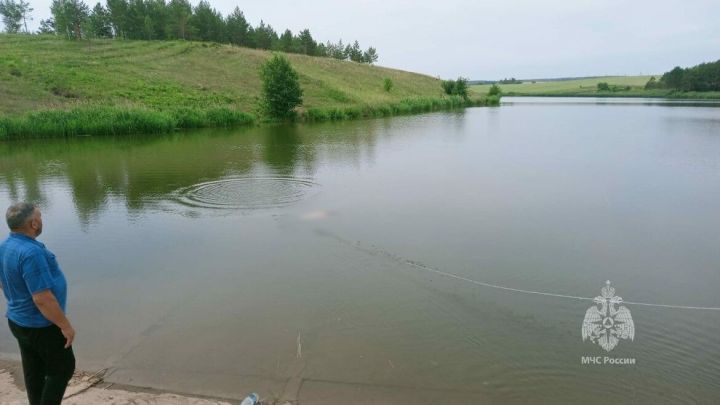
[47,364]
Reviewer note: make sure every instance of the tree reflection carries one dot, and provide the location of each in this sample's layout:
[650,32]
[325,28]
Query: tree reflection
[144,172]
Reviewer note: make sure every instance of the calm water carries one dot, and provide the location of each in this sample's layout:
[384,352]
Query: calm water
[227,261]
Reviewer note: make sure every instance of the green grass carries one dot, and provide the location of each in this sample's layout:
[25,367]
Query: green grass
[113,86]
[587,87]
[408,106]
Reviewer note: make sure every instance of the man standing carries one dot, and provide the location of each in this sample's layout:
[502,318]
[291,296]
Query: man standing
[36,292]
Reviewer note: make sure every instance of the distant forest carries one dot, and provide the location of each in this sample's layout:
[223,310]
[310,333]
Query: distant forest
[702,77]
[176,19]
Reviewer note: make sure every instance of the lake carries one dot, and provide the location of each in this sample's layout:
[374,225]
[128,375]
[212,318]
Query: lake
[360,261]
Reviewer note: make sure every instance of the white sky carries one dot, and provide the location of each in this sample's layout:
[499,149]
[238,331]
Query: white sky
[493,39]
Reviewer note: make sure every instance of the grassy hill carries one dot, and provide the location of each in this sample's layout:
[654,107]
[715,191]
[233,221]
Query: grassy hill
[210,83]
[625,86]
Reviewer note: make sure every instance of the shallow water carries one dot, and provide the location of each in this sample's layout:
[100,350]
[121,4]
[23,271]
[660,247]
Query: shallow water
[220,262]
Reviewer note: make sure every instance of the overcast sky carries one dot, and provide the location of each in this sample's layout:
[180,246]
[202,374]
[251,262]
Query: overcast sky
[493,39]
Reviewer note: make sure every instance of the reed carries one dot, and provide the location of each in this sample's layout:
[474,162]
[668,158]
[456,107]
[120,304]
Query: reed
[102,121]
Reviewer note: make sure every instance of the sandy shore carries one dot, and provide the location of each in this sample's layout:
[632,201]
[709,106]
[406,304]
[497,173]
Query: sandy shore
[90,389]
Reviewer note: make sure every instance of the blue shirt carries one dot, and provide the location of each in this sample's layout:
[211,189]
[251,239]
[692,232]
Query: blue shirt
[27,267]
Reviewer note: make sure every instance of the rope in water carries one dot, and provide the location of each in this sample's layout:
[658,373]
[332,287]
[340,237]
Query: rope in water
[375,251]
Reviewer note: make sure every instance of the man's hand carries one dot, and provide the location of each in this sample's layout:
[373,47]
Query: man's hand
[69,334]
[49,307]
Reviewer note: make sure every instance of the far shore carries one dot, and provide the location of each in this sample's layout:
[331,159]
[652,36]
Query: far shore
[618,87]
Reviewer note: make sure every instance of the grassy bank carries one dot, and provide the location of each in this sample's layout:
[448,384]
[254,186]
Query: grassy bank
[408,106]
[101,121]
[54,87]
[622,86]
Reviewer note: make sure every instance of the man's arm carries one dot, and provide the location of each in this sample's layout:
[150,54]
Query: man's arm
[50,308]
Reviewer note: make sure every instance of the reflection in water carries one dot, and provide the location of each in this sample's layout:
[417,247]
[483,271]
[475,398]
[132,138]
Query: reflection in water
[209,168]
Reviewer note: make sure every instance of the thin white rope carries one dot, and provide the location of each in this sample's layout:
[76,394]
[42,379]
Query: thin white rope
[375,250]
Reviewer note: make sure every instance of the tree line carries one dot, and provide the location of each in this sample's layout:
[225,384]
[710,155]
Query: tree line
[702,77]
[173,20]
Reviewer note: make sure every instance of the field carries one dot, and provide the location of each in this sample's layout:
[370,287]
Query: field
[153,86]
[622,86]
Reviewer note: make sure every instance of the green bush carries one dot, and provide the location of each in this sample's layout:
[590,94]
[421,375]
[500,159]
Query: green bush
[448,86]
[494,90]
[388,84]
[457,87]
[491,100]
[281,91]
[603,86]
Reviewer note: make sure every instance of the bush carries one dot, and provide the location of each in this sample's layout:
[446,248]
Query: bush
[603,86]
[448,86]
[652,84]
[388,84]
[461,87]
[457,87]
[281,91]
[494,90]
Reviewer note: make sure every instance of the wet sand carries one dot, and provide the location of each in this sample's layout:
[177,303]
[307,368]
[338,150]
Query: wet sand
[90,388]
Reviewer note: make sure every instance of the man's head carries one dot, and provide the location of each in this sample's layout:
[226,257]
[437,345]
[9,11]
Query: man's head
[24,218]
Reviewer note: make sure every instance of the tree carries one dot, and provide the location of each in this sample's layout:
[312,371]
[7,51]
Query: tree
[281,91]
[25,11]
[322,50]
[208,23]
[118,10]
[285,42]
[47,27]
[336,51]
[99,22]
[11,15]
[69,16]
[308,46]
[674,78]
[158,14]
[265,36]
[238,28]
[179,12]
[370,56]
[651,84]
[461,87]
[354,53]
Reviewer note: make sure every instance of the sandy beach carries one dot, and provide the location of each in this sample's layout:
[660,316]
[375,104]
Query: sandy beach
[90,389]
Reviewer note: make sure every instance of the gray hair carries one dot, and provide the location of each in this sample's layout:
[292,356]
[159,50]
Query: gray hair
[18,214]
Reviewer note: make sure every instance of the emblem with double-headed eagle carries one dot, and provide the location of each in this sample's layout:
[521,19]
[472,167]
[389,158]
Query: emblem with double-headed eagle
[605,324]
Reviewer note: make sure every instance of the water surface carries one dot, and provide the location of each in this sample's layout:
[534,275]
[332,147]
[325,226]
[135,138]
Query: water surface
[221,262]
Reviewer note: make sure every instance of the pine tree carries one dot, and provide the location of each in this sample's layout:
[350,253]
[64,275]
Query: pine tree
[370,56]
[238,28]
[286,42]
[308,46]
[117,10]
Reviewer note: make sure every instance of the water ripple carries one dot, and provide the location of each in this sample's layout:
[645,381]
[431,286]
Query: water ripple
[245,193]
